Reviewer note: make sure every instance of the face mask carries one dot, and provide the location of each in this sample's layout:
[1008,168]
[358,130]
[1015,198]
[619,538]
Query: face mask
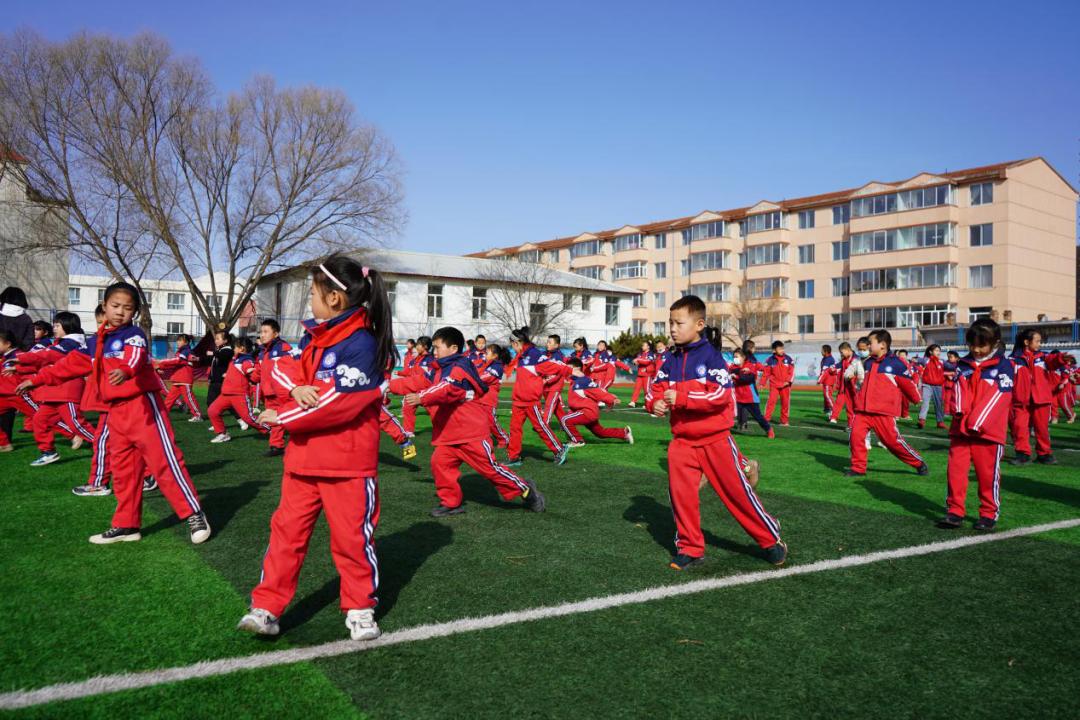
[863,354]
[980,358]
[736,361]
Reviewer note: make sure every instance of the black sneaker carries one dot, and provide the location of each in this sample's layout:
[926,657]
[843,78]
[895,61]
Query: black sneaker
[853,473]
[985,524]
[950,522]
[1046,460]
[685,562]
[1020,459]
[534,499]
[149,484]
[274,452]
[443,511]
[777,554]
[923,469]
[198,528]
[115,535]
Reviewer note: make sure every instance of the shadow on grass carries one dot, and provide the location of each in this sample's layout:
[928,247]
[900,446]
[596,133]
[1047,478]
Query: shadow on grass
[1041,490]
[394,459]
[219,503]
[911,501]
[837,463]
[659,522]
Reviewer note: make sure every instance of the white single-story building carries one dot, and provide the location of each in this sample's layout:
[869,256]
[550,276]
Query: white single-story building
[476,295]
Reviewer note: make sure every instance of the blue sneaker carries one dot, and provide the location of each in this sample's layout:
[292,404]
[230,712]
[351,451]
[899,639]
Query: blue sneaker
[560,457]
[45,459]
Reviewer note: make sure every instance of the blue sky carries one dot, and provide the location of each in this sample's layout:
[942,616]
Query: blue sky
[524,122]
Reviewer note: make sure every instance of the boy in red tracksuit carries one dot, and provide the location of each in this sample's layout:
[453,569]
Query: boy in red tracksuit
[1063,395]
[492,372]
[140,435]
[273,385]
[182,377]
[460,434]
[694,387]
[478,356]
[827,378]
[747,400]
[553,384]
[234,393]
[645,362]
[584,398]
[847,386]
[332,459]
[604,364]
[877,404]
[780,374]
[421,364]
[1032,397]
[530,367]
[982,386]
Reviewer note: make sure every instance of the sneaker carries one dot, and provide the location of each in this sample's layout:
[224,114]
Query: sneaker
[752,472]
[221,437]
[197,418]
[1020,459]
[46,459]
[443,511]
[198,528]
[1041,459]
[362,625]
[941,426]
[853,473]
[149,484]
[950,522]
[560,457]
[243,425]
[534,499]
[1071,420]
[771,434]
[77,442]
[923,470]
[632,404]
[274,452]
[984,524]
[115,535]
[6,448]
[685,562]
[869,444]
[777,554]
[410,435]
[784,424]
[513,462]
[831,421]
[629,435]
[92,490]
[1053,421]
[576,443]
[922,423]
[259,622]
[408,450]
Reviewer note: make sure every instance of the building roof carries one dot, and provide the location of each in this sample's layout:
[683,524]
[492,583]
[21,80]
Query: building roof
[970,175]
[404,263]
[9,155]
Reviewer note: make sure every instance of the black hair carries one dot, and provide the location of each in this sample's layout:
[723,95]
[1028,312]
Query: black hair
[424,341]
[364,287]
[185,337]
[844,346]
[652,347]
[501,353]
[901,350]
[1025,335]
[125,287]
[882,336]
[827,348]
[410,340]
[692,304]
[777,344]
[245,345]
[574,362]
[738,351]
[865,339]
[480,337]
[69,321]
[582,342]
[601,341]
[713,335]
[99,310]
[272,324]
[556,338]
[14,296]
[930,349]
[43,327]
[8,337]
[468,343]
[450,336]
[953,352]
[227,335]
[983,331]
[747,344]
[521,334]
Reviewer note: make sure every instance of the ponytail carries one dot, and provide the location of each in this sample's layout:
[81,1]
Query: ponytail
[362,287]
[522,334]
[501,353]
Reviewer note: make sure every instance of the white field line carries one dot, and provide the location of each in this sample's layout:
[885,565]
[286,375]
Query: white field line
[106,684]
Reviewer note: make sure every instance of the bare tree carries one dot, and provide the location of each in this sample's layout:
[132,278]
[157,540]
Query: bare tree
[750,317]
[520,295]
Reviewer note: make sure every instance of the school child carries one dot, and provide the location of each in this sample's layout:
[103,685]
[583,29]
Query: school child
[182,377]
[234,393]
[752,371]
[409,357]
[582,353]
[933,377]
[220,359]
[421,364]
[948,369]
[1062,402]
[140,434]
[604,364]
[9,399]
[747,400]
[877,404]
[331,461]
[553,384]
[905,411]
[583,398]
[694,388]
[981,396]
[274,386]
[846,387]
[779,374]
[662,354]
[531,366]
[827,378]
[1032,397]
[492,373]
[478,356]
[646,368]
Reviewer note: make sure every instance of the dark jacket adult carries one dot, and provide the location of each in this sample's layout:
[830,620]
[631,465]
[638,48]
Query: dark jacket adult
[13,317]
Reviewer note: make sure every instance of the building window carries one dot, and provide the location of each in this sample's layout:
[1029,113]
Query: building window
[391,295]
[764,255]
[982,194]
[530,256]
[479,303]
[980,277]
[659,300]
[907,200]
[660,270]
[74,294]
[981,235]
[638,300]
[841,214]
[761,223]
[584,249]
[840,323]
[611,310]
[659,328]
[553,256]
[806,289]
[806,323]
[711,292]
[592,272]
[684,267]
[714,260]
[629,270]
[100,295]
[212,301]
[766,288]
[629,242]
[660,241]
[806,219]
[979,313]
[149,297]
[568,301]
[902,238]
[903,278]
[806,254]
[637,327]
[841,250]
[703,231]
[585,302]
[174,301]
[905,316]
[537,315]
[174,328]
[434,301]
[840,287]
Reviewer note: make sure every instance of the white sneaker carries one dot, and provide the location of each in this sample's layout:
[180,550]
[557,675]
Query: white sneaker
[221,437]
[868,443]
[832,421]
[243,425]
[259,622]
[91,490]
[576,443]
[362,625]
[115,535]
[77,442]
[194,418]
[632,404]
[629,435]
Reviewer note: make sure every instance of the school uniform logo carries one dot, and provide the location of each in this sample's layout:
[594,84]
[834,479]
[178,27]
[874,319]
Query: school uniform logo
[116,345]
[351,377]
[1004,382]
[329,359]
[700,369]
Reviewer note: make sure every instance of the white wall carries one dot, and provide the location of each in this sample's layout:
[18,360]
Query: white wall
[42,275]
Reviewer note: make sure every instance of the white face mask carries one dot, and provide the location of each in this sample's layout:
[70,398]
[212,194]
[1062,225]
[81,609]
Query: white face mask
[863,353]
[980,358]
[736,361]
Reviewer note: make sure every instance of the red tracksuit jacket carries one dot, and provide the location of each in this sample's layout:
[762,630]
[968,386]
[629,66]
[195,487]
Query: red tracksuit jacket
[780,370]
[827,376]
[238,376]
[554,381]
[585,394]
[66,391]
[646,364]
[887,380]
[273,384]
[1034,385]
[704,400]
[451,392]
[531,367]
[982,398]
[933,371]
[182,365]
[744,380]
[492,375]
[9,361]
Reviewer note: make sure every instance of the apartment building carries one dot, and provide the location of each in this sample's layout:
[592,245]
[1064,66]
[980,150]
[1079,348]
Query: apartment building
[934,250]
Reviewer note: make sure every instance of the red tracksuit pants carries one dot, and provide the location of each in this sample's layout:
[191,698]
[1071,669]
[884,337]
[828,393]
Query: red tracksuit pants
[518,414]
[784,396]
[720,462]
[100,468]
[140,438]
[277,430]
[986,457]
[552,402]
[352,512]
[22,404]
[480,456]
[641,385]
[502,438]
[241,407]
[182,393]
[1021,420]
[827,398]
[1063,401]
[885,428]
[408,418]
[52,414]
[389,424]
[590,419]
[843,403]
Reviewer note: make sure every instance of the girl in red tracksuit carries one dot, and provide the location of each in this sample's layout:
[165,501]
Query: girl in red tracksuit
[421,363]
[584,398]
[492,371]
[274,387]
[933,377]
[827,378]
[239,377]
[140,435]
[1063,393]
[780,375]
[553,384]
[182,377]
[331,461]
[604,364]
[9,399]
[877,405]
[694,387]
[981,396]
[949,368]
[1032,397]
[646,369]
[747,400]
[845,395]
[451,391]
[530,367]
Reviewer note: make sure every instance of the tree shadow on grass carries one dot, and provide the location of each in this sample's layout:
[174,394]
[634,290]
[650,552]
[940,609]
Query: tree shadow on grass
[219,503]
[660,523]
[911,501]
